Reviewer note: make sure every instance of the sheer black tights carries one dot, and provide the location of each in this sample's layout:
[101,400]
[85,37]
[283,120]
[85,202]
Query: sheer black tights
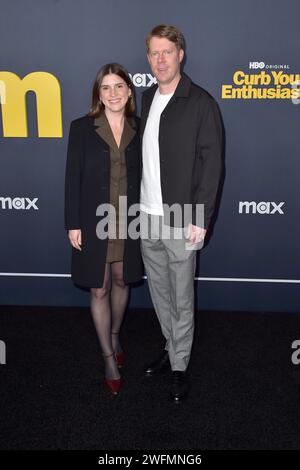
[108,305]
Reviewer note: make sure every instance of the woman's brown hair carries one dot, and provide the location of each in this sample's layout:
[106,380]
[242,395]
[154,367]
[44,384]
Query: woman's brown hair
[97,107]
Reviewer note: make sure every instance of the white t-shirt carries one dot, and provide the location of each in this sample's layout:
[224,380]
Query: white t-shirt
[151,197]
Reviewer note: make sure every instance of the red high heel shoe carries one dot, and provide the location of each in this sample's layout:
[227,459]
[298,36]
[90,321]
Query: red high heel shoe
[113,385]
[120,358]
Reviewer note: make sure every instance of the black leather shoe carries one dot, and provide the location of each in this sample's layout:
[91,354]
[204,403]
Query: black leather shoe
[179,386]
[160,366]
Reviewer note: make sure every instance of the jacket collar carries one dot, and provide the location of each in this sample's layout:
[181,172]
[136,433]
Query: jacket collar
[182,91]
[183,87]
[104,131]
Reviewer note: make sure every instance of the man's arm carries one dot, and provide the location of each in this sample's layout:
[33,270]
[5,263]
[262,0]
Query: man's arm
[209,147]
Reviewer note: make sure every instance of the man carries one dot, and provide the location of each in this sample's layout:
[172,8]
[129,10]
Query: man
[182,147]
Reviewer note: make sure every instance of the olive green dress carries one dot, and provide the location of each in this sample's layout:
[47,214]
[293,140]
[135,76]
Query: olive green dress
[118,181]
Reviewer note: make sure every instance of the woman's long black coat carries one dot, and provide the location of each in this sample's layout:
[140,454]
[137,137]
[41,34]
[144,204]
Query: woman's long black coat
[87,185]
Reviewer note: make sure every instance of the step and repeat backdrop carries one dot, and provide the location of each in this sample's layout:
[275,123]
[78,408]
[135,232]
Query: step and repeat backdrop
[244,53]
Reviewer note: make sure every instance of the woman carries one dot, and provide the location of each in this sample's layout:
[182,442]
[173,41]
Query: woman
[103,163]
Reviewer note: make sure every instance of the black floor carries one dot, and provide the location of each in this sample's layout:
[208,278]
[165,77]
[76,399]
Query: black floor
[245,390]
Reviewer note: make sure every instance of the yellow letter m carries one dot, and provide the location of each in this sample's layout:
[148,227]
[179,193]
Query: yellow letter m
[13,91]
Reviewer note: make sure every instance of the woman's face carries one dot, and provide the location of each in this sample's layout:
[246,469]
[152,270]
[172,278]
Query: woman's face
[114,93]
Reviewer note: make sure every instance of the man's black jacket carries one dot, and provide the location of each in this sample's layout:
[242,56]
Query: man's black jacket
[190,146]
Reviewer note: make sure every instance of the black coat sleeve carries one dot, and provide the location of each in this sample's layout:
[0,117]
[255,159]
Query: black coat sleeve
[73,177]
[210,148]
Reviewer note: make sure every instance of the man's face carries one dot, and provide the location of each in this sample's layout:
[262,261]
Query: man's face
[164,59]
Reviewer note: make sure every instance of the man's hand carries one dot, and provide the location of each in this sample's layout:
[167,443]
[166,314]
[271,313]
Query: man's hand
[75,238]
[195,234]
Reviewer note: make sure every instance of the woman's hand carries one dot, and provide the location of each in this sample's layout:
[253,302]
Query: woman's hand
[75,238]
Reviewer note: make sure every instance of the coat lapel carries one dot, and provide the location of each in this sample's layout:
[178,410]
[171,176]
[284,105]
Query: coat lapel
[104,131]
[129,132]
[182,91]
[146,104]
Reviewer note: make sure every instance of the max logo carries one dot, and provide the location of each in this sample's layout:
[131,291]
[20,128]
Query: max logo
[24,203]
[260,207]
[13,90]
[143,79]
